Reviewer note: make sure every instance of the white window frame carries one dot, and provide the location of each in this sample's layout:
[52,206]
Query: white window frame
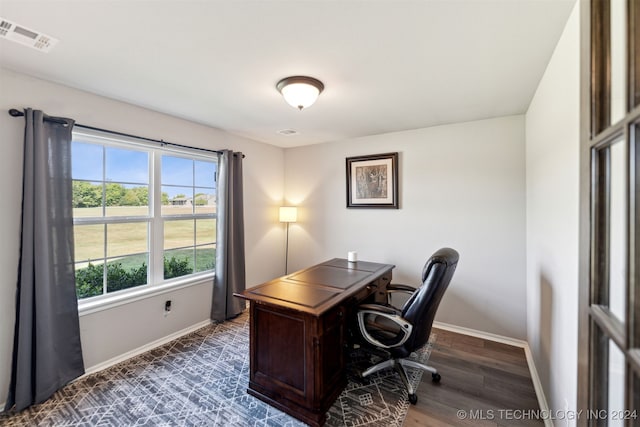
[156,284]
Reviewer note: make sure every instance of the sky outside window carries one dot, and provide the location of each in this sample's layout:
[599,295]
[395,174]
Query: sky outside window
[131,166]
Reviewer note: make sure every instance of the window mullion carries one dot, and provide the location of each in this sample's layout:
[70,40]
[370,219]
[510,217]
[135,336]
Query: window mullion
[110,220]
[104,226]
[104,259]
[193,213]
[156,245]
[104,185]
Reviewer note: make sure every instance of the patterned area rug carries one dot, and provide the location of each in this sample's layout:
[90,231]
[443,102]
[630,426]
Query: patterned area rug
[201,379]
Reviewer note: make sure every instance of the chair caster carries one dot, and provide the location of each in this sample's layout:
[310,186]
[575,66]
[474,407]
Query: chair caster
[360,379]
[436,377]
[413,399]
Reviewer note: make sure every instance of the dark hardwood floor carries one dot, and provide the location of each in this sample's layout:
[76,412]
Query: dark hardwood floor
[484,383]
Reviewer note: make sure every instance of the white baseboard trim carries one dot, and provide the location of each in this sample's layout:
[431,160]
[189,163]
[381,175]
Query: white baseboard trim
[537,385]
[480,334]
[142,349]
[137,351]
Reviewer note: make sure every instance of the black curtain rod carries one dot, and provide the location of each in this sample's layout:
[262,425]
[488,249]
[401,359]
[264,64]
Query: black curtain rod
[17,113]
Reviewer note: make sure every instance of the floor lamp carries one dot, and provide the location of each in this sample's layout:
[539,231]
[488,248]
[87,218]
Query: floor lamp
[288,214]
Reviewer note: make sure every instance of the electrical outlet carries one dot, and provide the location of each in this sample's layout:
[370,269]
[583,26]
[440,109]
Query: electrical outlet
[167,307]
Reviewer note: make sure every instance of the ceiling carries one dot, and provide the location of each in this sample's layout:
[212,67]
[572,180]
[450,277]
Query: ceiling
[387,65]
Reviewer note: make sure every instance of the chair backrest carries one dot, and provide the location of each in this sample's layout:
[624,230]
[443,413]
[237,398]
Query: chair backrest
[420,309]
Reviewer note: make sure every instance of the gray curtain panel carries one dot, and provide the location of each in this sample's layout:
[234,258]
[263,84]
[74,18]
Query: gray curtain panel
[46,349]
[230,265]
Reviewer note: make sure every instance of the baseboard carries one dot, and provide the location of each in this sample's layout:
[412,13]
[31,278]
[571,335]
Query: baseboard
[142,349]
[537,385]
[137,351]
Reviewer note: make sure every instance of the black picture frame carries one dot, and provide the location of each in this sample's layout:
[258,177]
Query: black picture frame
[372,181]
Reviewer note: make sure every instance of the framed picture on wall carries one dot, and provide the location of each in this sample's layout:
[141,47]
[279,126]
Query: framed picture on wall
[372,181]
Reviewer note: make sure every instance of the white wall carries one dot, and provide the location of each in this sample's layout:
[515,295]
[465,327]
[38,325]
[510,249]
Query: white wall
[461,185]
[110,333]
[552,154]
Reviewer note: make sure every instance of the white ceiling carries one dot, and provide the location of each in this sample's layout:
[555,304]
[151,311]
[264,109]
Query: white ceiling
[387,65]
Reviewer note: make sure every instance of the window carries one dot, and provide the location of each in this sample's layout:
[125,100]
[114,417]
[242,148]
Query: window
[143,215]
[188,185]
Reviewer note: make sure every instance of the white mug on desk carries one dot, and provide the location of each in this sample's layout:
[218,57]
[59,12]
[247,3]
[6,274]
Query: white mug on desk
[352,256]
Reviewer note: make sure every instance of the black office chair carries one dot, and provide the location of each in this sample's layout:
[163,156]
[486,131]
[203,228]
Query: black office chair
[399,332]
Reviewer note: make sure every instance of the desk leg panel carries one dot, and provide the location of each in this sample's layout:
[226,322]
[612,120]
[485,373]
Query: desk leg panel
[297,360]
[278,352]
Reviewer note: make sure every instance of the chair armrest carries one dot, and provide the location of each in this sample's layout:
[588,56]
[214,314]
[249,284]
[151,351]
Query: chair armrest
[397,287]
[378,308]
[388,313]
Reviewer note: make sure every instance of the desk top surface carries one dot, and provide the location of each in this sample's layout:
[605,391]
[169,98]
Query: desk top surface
[317,288]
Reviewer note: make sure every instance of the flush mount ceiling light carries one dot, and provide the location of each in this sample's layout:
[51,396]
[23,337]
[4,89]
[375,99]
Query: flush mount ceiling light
[300,91]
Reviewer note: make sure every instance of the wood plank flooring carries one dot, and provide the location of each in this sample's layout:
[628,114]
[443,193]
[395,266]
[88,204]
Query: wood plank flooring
[488,382]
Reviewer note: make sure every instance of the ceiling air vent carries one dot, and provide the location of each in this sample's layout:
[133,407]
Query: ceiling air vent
[25,36]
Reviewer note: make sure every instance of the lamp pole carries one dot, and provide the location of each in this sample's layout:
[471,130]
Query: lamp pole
[288,214]
[286,253]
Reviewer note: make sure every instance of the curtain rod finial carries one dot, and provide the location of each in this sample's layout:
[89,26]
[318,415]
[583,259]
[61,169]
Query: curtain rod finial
[15,113]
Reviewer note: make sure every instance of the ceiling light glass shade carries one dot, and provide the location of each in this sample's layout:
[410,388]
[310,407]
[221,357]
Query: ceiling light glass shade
[300,91]
[288,214]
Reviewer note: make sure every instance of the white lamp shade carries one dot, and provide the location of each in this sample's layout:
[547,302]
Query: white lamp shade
[300,91]
[300,95]
[288,214]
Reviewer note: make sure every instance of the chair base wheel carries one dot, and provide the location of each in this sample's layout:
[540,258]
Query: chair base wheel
[360,379]
[413,399]
[436,378]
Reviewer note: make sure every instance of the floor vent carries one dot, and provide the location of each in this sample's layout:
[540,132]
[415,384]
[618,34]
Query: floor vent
[25,36]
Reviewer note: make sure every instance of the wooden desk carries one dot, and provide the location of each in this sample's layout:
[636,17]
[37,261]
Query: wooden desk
[298,333]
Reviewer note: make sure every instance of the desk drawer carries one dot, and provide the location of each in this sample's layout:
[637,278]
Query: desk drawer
[365,293]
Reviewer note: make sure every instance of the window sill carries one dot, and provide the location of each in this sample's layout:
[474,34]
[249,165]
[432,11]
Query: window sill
[127,297]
